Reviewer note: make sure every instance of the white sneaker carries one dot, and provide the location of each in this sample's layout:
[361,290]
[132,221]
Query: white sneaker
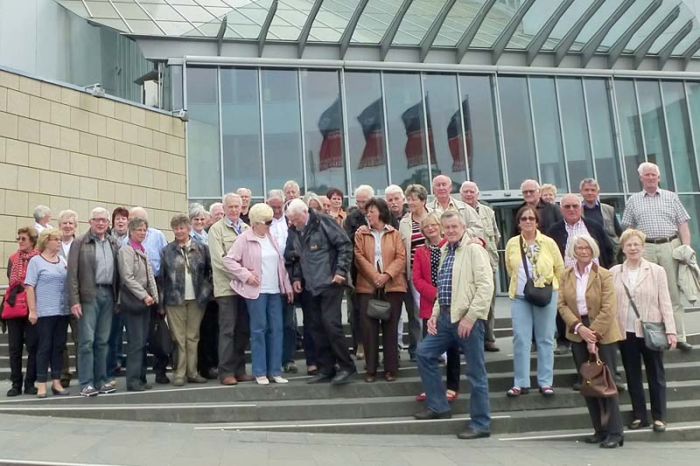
[262,380]
[279,379]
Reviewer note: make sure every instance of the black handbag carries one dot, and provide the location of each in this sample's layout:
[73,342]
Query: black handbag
[378,307]
[654,332]
[160,342]
[537,296]
[130,303]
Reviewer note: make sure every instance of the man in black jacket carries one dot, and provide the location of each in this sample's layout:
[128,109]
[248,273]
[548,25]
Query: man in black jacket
[318,257]
[562,232]
[549,213]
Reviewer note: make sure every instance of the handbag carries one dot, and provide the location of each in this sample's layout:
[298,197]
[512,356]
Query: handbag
[534,295]
[160,341]
[15,303]
[378,307]
[654,333]
[128,302]
[597,379]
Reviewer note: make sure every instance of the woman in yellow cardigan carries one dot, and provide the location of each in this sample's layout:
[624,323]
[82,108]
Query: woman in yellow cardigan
[544,265]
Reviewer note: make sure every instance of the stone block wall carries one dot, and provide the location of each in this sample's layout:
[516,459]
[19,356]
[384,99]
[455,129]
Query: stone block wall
[70,150]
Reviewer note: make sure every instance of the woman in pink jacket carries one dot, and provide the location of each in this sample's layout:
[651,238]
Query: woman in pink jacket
[646,284]
[256,263]
[425,271]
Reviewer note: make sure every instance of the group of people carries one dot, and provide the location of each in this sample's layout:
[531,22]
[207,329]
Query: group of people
[234,275]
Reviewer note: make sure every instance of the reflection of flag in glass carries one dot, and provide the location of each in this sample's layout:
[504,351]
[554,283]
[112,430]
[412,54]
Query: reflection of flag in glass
[372,121]
[454,137]
[331,152]
[415,136]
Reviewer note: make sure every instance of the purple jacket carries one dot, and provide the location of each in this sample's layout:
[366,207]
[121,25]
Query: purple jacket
[245,259]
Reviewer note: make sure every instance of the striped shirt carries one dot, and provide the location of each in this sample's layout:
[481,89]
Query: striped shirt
[656,215]
[48,280]
[417,239]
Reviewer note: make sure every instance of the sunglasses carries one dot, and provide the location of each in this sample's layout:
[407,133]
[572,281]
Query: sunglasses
[528,219]
[530,191]
[268,223]
[21,238]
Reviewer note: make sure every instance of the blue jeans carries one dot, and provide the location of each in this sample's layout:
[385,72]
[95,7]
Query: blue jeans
[266,337]
[428,356]
[525,317]
[95,326]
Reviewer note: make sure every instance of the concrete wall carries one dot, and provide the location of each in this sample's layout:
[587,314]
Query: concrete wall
[67,149]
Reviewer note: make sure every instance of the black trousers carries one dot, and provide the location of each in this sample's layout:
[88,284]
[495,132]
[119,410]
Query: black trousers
[234,336]
[208,346]
[354,318]
[390,337]
[561,333]
[634,351]
[596,406]
[137,325]
[21,333]
[52,333]
[452,367]
[326,326]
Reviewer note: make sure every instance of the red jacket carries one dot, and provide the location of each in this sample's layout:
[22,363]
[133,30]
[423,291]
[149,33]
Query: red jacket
[423,282]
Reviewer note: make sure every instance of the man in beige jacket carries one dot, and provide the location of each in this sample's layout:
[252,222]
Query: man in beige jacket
[465,287]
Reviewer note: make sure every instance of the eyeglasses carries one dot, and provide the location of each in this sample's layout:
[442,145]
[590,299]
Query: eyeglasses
[100,220]
[529,191]
[268,223]
[570,206]
[21,238]
[528,219]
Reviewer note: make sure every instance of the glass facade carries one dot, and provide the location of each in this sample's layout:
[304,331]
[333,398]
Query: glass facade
[258,127]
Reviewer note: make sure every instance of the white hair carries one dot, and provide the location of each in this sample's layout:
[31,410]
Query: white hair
[229,196]
[40,212]
[139,212]
[68,214]
[240,191]
[291,183]
[276,194]
[100,211]
[586,238]
[214,206]
[529,181]
[469,183]
[297,206]
[197,210]
[393,189]
[644,166]
[364,188]
[573,196]
[586,181]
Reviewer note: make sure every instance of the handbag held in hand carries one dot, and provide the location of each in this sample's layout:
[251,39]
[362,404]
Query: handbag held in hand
[596,379]
[378,307]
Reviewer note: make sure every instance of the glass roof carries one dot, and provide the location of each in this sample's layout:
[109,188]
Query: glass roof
[246,18]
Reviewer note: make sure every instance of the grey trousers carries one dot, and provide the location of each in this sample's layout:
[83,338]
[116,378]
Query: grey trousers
[234,336]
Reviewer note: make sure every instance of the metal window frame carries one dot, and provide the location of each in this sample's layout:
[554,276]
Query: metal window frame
[538,166]
[612,102]
[346,132]
[619,46]
[674,181]
[221,129]
[666,51]
[308,24]
[390,33]
[262,37]
[468,36]
[261,117]
[687,55]
[588,128]
[686,95]
[639,120]
[300,96]
[502,41]
[427,41]
[564,45]
[464,131]
[426,132]
[385,123]
[349,30]
[150,16]
[643,48]
[535,45]
[565,154]
[496,92]
[590,48]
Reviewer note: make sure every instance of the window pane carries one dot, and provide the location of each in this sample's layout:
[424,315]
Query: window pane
[517,130]
[203,156]
[406,125]
[602,134]
[684,163]
[282,128]
[548,133]
[323,131]
[366,130]
[446,123]
[578,147]
[655,130]
[630,130]
[480,128]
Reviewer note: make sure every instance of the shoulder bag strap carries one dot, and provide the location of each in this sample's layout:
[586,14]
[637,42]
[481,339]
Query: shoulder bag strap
[522,254]
[629,296]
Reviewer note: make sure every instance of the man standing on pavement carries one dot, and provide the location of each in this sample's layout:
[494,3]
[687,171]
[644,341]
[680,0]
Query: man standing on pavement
[549,213]
[601,213]
[318,256]
[659,214]
[92,289]
[469,192]
[465,289]
[442,189]
[234,330]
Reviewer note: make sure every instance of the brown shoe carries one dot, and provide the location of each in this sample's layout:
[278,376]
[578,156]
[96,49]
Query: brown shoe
[389,377]
[245,378]
[230,380]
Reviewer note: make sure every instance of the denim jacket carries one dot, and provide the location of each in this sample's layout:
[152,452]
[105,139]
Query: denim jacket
[173,273]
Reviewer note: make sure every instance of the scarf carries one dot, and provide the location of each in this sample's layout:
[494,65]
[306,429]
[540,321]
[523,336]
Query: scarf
[18,263]
[434,263]
[137,246]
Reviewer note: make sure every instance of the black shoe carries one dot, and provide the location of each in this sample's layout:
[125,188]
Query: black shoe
[14,391]
[428,414]
[491,347]
[65,383]
[321,378]
[471,434]
[343,377]
[576,386]
[211,374]
[136,388]
[30,390]
[412,357]
[162,379]
[684,346]
[612,442]
[595,438]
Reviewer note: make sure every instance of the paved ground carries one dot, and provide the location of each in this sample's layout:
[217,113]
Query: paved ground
[33,440]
